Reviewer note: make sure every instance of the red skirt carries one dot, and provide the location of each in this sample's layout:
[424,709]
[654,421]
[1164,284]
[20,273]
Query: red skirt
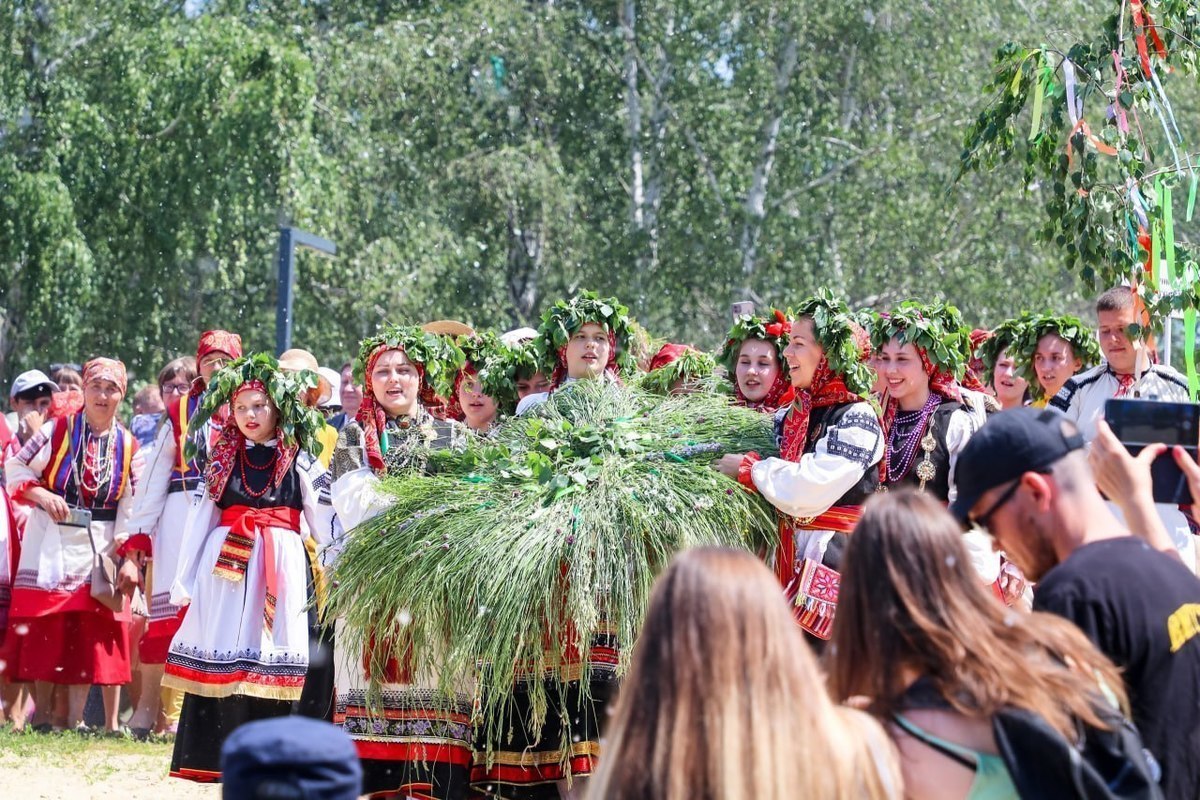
[70,648]
[156,641]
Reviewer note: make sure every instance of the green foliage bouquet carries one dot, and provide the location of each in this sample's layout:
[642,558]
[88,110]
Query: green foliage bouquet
[521,544]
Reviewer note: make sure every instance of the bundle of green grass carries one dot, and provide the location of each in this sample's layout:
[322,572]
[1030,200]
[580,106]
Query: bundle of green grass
[528,541]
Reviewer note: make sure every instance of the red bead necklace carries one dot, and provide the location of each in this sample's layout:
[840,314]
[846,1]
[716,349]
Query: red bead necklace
[244,461]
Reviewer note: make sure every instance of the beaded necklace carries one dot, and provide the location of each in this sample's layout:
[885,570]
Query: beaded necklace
[99,466]
[244,461]
[906,446]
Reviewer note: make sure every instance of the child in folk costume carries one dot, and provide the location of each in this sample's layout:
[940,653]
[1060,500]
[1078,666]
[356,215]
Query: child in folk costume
[78,472]
[416,741]
[753,355]
[830,441]
[164,495]
[241,652]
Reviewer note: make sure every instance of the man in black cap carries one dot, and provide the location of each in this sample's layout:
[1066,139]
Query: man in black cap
[290,758]
[1024,477]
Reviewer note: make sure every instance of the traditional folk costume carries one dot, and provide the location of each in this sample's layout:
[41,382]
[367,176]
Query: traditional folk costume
[522,763]
[241,652]
[922,445]
[165,493]
[71,638]
[774,330]
[416,741]
[830,439]
[10,544]
[1072,330]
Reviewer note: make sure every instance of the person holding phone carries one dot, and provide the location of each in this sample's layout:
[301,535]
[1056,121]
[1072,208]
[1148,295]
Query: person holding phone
[1126,371]
[1025,478]
[78,471]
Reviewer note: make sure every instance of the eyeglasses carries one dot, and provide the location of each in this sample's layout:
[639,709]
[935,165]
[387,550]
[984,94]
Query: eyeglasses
[173,388]
[984,520]
[217,362]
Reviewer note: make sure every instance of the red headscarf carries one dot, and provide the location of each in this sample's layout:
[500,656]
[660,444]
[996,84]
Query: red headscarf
[230,443]
[828,388]
[560,362]
[975,367]
[667,354]
[105,369]
[219,342]
[781,392]
[371,417]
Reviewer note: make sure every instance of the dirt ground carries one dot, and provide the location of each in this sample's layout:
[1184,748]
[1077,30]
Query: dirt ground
[52,767]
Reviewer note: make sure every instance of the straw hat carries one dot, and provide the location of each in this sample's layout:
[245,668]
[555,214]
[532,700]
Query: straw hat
[448,327]
[295,360]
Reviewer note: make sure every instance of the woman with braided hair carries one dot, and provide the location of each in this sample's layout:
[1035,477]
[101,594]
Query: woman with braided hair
[830,441]
[241,653]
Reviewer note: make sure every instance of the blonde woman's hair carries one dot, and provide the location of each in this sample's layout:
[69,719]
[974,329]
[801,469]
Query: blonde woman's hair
[724,700]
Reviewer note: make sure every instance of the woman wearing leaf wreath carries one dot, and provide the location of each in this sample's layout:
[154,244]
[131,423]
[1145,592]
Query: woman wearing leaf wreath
[78,471]
[753,355]
[1053,349]
[678,369]
[241,652]
[485,385]
[919,352]
[586,338]
[161,502]
[830,441]
[1002,366]
[413,741]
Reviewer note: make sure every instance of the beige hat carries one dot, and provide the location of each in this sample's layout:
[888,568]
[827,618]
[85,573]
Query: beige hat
[448,327]
[295,360]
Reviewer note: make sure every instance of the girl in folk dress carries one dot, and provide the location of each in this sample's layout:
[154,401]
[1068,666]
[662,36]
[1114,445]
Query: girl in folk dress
[78,472]
[241,652]
[753,355]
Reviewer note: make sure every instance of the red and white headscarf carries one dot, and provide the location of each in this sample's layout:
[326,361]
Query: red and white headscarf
[219,342]
[371,417]
[106,369]
[230,443]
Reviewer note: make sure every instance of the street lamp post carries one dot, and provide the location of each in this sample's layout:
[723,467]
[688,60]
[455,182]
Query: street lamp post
[289,239]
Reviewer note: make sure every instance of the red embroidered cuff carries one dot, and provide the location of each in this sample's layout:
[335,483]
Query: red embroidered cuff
[744,476]
[138,541]
[18,492]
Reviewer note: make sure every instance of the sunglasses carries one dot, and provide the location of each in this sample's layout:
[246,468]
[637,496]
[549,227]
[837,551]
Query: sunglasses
[983,521]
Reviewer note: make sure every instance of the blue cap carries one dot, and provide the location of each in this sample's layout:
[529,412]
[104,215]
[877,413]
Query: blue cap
[1008,445]
[288,758]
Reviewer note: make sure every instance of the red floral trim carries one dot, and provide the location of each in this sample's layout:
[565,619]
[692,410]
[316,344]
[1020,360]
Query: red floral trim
[744,476]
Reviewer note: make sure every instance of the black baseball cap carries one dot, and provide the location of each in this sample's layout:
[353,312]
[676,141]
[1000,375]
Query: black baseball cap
[1008,445]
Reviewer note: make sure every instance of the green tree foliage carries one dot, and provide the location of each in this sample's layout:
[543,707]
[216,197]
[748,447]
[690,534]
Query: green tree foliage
[480,159]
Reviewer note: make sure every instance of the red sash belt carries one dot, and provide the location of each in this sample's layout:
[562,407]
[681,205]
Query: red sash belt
[245,525]
[838,518]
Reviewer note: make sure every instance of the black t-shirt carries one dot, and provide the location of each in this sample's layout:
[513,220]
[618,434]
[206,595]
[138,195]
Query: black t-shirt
[1141,608]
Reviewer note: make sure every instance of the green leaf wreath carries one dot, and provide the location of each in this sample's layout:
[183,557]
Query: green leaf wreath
[495,366]
[774,329]
[557,525]
[692,370]
[439,355]
[1003,337]
[298,423]
[562,320]
[937,328]
[840,335]
[1072,329]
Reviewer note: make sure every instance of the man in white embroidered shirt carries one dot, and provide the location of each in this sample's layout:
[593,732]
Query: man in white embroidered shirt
[1126,371]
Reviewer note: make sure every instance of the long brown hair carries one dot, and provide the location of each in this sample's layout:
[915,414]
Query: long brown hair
[910,601]
[724,700]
